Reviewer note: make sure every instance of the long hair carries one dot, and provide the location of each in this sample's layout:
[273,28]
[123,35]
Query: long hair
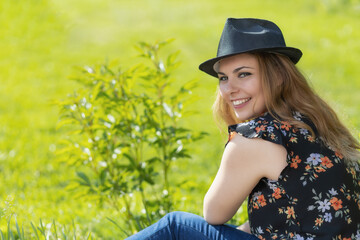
[286,91]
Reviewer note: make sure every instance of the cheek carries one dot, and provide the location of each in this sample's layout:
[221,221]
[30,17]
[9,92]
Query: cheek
[221,90]
[261,102]
[260,97]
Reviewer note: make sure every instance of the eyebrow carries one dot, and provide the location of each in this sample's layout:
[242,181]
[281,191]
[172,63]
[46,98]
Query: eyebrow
[235,70]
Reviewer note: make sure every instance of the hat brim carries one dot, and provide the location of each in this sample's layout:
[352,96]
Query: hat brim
[293,53]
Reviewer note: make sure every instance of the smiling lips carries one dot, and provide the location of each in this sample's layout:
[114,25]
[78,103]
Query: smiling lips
[239,102]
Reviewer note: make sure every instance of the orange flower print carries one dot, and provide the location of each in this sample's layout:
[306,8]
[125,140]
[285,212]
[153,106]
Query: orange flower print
[353,172]
[346,239]
[290,212]
[231,135]
[295,162]
[339,155]
[272,136]
[310,139]
[307,167]
[319,221]
[255,206]
[261,128]
[261,200]
[336,203]
[293,139]
[277,193]
[286,126]
[325,161]
[319,169]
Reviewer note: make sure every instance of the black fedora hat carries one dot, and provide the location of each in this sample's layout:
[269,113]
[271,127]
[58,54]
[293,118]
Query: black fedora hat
[244,35]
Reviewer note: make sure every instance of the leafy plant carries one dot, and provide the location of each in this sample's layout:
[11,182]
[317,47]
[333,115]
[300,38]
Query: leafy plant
[41,231]
[125,133]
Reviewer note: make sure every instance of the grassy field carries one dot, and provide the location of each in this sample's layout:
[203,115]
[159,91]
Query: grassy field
[41,41]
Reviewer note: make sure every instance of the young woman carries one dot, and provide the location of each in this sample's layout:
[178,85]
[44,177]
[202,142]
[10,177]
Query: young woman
[287,150]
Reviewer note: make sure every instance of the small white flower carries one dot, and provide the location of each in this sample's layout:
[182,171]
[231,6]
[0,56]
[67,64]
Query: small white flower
[270,129]
[333,192]
[83,101]
[298,237]
[102,164]
[89,69]
[137,128]
[259,230]
[314,159]
[111,118]
[304,131]
[323,205]
[87,151]
[328,217]
[358,235]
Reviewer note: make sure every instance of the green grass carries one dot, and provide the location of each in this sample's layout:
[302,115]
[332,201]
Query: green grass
[41,42]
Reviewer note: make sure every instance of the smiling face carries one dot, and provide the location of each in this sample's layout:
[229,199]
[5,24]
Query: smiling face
[240,86]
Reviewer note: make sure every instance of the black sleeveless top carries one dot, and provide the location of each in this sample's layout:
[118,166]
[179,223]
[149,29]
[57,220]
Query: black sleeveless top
[317,195]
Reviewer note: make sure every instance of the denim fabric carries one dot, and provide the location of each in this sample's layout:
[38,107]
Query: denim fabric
[187,226]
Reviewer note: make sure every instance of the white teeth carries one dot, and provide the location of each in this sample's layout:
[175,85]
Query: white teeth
[238,102]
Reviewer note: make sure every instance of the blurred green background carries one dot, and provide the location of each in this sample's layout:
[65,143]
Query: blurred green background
[41,41]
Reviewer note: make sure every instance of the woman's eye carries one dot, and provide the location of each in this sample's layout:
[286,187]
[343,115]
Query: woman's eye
[244,74]
[223,78]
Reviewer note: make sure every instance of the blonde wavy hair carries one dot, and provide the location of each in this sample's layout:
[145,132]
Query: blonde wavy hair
[286,90]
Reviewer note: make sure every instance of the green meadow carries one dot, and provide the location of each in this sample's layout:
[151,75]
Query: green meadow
[44,42]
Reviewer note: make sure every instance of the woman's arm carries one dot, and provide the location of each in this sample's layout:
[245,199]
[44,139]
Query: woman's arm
[244,162]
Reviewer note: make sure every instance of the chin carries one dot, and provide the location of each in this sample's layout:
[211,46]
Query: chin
[245,117]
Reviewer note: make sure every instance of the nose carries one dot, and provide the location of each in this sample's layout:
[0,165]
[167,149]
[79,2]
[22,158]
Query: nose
[231,86]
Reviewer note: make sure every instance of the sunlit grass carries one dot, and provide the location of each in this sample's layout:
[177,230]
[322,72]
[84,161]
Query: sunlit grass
[41,42]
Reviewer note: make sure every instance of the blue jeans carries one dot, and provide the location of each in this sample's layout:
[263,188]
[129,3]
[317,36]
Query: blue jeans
[187,226]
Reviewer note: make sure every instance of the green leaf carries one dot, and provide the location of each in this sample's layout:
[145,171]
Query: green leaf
[18,230]
[103,176]
[35,231]
[56,236]
[84,177]
[118,226]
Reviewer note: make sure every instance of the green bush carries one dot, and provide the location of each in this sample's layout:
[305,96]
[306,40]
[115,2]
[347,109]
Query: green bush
[125,132]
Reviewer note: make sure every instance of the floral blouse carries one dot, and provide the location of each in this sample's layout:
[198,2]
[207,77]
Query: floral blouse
[317,195]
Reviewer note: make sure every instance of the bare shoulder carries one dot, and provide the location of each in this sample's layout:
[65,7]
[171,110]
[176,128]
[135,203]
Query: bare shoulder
[244,162]
[267,157]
